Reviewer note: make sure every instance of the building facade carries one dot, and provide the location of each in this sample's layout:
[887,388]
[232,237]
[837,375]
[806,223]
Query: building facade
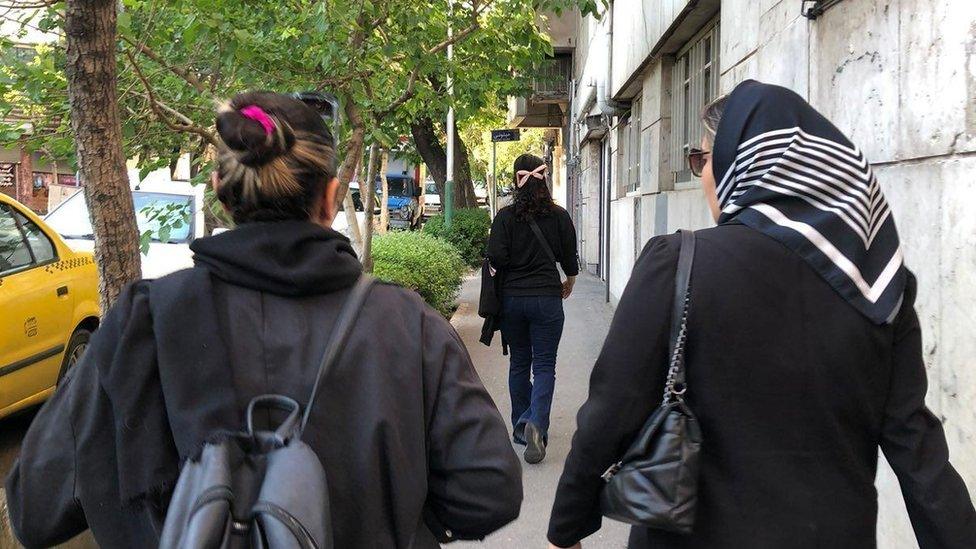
[34,178]
[898,76]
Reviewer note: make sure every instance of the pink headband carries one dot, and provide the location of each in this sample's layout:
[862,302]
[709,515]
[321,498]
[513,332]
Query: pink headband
[537,173]
[257,114]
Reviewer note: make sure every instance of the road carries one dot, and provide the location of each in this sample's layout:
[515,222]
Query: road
[587,321]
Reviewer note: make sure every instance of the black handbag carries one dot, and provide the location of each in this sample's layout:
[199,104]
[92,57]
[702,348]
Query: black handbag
[655,483]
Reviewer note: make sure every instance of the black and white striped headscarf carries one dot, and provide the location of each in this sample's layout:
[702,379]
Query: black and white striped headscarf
[786,171]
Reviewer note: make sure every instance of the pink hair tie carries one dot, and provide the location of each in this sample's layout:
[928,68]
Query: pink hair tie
[537,173]
[257,114]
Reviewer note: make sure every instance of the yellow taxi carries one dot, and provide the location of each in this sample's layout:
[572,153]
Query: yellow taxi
[48,307]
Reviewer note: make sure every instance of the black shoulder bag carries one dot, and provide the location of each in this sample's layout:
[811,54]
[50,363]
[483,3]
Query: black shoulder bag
[655,484]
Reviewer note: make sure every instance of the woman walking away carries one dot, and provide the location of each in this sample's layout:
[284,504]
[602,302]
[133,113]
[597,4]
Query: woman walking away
[803,352]
[413,448]
[527,239]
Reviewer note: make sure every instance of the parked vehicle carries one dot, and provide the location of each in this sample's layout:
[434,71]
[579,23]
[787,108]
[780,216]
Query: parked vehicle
[170,234]
[48,307]
[432,199]
[341,223]
[403,201]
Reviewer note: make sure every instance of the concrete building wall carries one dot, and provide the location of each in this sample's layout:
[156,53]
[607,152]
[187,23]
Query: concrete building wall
[899,77]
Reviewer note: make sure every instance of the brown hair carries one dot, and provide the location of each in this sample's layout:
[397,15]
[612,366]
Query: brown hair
[274,166]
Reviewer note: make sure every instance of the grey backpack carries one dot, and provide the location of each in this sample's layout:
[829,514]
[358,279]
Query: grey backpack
[261,489]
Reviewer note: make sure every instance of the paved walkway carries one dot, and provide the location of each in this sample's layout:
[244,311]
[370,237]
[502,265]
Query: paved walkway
[587,320]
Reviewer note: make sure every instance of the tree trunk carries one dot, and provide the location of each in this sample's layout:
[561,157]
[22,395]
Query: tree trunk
[368,199]
[354,147]
[93,96]
[463,185]
[427,139]
[349,208]
[384,202]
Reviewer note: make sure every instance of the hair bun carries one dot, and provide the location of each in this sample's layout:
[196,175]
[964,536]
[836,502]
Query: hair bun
[251,138]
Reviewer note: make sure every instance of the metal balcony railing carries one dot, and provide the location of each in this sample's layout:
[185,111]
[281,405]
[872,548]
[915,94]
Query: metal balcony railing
[551,81]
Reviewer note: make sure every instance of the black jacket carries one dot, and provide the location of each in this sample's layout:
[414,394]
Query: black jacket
[412,444]
[795,391]
[514,248]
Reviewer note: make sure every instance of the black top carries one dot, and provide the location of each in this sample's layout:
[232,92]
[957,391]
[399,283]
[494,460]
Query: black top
[411,442]
[514,248]
[795,391]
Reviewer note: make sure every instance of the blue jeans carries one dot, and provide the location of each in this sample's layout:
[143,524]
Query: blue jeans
[532,327]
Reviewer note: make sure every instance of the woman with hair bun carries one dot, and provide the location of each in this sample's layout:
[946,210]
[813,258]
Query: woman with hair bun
[527,240]
[414,450]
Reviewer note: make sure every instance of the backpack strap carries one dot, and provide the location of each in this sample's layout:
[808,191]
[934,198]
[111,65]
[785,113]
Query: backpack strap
[340,333]
[542,239]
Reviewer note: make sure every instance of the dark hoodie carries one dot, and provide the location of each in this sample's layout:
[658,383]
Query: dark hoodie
[412,444]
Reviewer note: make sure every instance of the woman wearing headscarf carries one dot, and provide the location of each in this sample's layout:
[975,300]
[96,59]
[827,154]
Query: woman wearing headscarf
[804,351]
[413,447]
[527,240]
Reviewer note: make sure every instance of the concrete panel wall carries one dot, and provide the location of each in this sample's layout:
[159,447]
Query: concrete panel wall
[638,25]
[621,245]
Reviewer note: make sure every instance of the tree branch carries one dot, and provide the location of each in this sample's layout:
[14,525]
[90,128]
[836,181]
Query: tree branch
[185,74]
[185,125]
[32,5]
[476,11]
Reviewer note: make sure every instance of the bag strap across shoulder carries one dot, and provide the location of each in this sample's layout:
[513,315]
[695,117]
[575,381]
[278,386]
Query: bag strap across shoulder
[675,386]
[542,239]
[340,333]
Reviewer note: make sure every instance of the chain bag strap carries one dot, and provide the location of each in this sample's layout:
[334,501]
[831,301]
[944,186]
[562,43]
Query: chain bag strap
[655,483]
[675,386]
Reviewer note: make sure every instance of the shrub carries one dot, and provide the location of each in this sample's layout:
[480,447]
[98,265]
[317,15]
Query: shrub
[428,265]
[468,233]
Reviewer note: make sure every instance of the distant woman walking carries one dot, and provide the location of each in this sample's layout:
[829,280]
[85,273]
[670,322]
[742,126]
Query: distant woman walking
[527,239]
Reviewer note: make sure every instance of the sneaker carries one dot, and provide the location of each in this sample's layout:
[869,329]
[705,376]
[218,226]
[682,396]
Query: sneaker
[535,446]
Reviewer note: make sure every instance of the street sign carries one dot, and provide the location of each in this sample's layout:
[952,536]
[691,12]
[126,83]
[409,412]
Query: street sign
[504,135]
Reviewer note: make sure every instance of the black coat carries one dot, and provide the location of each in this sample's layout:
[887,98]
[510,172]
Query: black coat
[795,391]
[411,442]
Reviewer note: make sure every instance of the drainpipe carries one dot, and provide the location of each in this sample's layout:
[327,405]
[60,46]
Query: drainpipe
[584,99]
[607,105]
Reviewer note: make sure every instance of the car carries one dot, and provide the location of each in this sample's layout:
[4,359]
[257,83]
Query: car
[169,247]
[341,223]
[432,199]
[49,304]
[403,202]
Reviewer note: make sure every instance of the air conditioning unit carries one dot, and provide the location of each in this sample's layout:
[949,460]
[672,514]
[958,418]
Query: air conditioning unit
[593,127]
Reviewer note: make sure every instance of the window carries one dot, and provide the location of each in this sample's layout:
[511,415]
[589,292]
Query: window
[39,242]
[695,84]
[14,253]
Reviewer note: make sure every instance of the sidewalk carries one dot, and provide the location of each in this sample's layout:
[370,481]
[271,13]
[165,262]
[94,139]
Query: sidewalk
[587,321]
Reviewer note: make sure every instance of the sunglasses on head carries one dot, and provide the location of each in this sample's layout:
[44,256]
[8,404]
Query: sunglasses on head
[697,159]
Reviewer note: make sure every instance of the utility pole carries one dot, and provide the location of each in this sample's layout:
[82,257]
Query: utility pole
[449,184]
[493,188]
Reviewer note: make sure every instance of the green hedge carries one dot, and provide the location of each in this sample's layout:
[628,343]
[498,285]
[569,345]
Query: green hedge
[469,232]
[426,264]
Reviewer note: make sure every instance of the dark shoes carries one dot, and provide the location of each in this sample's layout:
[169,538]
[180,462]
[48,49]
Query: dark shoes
[535,444]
